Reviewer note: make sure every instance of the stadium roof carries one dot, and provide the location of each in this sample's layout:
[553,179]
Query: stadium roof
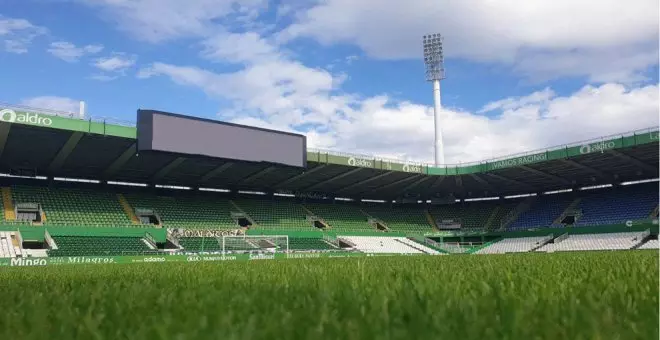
[35,142]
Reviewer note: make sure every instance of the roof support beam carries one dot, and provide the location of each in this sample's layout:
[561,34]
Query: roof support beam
[215,172]
[637,162]
[166,169]
[395,183]
[436,183]
[578,165]
[330,180]
[65,151]
[300,176]
[418,182]
[459,182]
[546,175]
[120,161]
[4,133]
[368,180]
[258,174]
[512,181]
[483,182]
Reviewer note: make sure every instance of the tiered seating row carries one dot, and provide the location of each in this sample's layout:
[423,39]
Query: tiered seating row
[97,246]
[9,246]
[611,241]
[68,206]
[187,211]
[512,245]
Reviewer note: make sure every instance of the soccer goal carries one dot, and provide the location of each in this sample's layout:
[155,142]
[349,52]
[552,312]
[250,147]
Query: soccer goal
[269,244]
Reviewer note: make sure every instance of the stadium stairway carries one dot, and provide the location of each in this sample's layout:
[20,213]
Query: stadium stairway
[128,209]
[276,214]
[186,211]
[253,223]
[341,216]
[492,217]
[513,215]
[396,218]
[570,209]
[543,212]
[431,220]
[8,204]
[318,218]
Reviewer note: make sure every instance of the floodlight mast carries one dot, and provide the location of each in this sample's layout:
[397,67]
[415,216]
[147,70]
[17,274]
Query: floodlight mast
[435,71]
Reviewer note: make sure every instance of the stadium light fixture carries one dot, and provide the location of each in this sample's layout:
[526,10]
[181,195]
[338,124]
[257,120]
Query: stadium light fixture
[435,72]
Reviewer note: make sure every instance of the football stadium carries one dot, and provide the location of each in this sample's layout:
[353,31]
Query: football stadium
[180,227]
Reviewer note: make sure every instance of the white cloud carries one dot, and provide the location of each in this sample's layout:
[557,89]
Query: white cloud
[118,62]
[289,96]
[17,34]
[55,103]
[607,40]
[248,47]
[114,66]
[160,20]
[512,103]
[71,53]
[103,77]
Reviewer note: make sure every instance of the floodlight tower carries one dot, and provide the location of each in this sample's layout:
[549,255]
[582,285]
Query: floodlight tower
[435,71]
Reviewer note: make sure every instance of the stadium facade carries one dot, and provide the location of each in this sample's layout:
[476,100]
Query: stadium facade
[101,191]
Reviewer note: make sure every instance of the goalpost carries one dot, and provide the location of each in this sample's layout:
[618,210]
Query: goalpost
[255,244]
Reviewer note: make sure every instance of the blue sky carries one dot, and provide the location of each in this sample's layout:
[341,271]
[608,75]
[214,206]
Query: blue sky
[347,73]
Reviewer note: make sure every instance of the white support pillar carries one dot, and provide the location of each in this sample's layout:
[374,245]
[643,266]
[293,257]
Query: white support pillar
[437,107]
[81,112]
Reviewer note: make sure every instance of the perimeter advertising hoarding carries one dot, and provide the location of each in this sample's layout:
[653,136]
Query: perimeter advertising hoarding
[167,132]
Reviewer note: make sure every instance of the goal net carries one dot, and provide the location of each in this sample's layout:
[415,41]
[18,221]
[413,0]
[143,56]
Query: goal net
[253,244]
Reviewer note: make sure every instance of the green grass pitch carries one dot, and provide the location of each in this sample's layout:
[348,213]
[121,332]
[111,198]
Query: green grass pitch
[599,295]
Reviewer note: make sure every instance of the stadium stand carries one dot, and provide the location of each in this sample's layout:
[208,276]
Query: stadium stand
[473,215]
[183,211]
[617,205]
[650,244]
[514,245]
[309,243]
[387,245]
[200,244]
[97,246]
[341,216]
[75,174]
[543,212]
[400,218]
[9,244]
[70,206]
[608,241]
[275,214]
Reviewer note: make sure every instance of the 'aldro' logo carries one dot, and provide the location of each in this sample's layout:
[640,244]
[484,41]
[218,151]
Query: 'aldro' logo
[11,116]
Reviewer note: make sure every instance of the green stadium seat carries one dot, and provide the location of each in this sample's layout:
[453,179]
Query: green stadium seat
[276,214]
[404,219]
[341,216]
[190,212]
[98,246]
[74,207]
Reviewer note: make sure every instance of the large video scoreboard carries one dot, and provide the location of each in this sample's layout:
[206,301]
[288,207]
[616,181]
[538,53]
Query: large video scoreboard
[173,133]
